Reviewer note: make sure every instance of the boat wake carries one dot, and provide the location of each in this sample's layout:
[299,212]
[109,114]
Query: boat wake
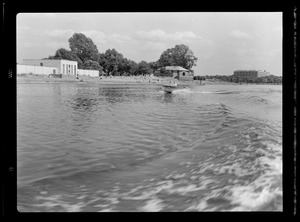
[199,148]
[201,91]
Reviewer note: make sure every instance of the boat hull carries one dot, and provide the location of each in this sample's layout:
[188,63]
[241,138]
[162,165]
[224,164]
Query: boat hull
[168,89]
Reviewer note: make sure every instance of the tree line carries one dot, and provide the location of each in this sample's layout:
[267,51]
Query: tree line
[111,62]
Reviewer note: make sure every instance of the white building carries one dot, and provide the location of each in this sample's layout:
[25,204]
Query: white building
[41,70]
[54,66]
[250,73]
[262,73]
[63,66]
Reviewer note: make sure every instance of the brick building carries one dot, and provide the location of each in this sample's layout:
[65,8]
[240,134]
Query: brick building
[250,73]
[177,72]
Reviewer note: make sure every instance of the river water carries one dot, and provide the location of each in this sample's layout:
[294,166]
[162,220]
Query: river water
[98,148]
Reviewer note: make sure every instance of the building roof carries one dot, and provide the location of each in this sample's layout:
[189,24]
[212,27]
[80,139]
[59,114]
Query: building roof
[46,59]
[244,70]
[175,68]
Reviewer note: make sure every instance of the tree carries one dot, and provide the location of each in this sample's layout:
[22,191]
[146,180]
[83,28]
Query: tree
[68,55]
[180,55]
[101,60]
[124,66]
[166,58]
[90,64]
[143,68]
[111,61]
[153,65]
[83,47]
[133,70]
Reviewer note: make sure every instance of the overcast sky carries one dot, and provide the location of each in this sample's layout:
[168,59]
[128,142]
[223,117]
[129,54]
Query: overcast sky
[222,42]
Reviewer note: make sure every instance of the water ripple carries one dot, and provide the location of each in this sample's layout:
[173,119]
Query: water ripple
[133,148]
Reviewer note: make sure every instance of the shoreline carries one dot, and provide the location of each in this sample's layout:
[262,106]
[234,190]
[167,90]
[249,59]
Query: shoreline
[118,80]
[114,80]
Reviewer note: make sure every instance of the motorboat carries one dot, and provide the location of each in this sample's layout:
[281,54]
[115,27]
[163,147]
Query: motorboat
[169,87]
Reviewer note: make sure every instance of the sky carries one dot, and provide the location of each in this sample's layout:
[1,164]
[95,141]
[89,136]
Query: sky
[222,41]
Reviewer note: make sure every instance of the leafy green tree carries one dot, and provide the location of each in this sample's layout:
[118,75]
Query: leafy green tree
[143,67]
[133,70]
[83,47]
[153,65]
[111,60]
[68,55]
[92,65]
[102,61]
[180,55]
[85,52]
[166,59]
[124,66]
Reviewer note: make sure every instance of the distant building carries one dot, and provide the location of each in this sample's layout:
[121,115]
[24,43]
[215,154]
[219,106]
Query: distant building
[176,72]
[250,73]
[263,73]
[63,66]
[53,66]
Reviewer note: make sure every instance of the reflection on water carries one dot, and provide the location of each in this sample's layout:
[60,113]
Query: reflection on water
[87,147]
[112,95]
[168,98]
[83,104]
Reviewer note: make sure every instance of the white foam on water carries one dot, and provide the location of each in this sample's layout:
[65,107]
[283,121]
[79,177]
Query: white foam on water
[237,169]
[184,189]
[93,200]
[181,187]
[152,205]
[185,90]
[147,191]
[263,190]
[55,200]
[59,201]
[106,210]
[143,196]
[50,198]
[113,199]
[248,199]
[176,176]
[81,197]
[247,195]
[274,165]
[198,207]
[214,193]
[205,92]
[205,167]
[101,205]
[257,192]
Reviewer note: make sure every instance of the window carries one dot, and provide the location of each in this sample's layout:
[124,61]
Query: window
[183,73]
[64,67]
[41,64]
